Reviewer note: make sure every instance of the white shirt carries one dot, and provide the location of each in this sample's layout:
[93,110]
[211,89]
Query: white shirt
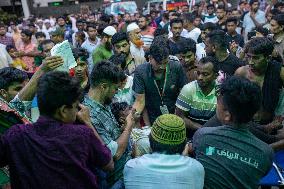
[193,34]
[74,39]
[248,23]
[90,47]
[161,171]
[5,58]
[200,51]
[138,54]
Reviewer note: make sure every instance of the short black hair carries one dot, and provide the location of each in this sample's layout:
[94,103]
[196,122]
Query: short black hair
[222,7]
[105,71]
[119,60]
[9,75]
[232,19]
[176,21]
[211,59]
[118,37]
[189,17]
[186,44]
[116,108]
[241,97]
[80,53]
[91,25]
[56,89]
[47,41]
[166,148]
[252,2]
[260,45]
[278,4]
[210,5]
[209,25]
[262,30]
[279,18]
[40,34]
[105,18]
[27,32]
[159,49]
[217,38]
[161,31]
[63,17]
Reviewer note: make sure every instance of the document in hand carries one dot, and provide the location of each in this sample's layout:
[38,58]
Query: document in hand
[64,50]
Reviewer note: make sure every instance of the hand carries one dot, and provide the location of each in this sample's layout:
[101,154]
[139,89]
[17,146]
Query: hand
[234,47]
[19,54]
[130,121]
[84,115]
[51,63]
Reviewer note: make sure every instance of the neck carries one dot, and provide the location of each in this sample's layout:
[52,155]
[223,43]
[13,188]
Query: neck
[190,27]
[207,89]
[232,33]
[95,94]
[93,40]
[175,39]
[221,55]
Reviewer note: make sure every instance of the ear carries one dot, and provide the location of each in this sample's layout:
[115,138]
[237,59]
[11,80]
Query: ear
[4,93]
[61,113]
[227,116]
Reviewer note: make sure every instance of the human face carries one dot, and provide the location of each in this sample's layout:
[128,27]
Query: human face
[81,69]
[142,23]
[14,89]
[275,27]
[210,10]
[197,22]
[231,27]
[2,31]
[25,38]
[220,13]
[257,62]
[204,33]
[47,25]
[209,48]
[70,113]
[185,9]
[33,29]
[127,18]
[187,59]
[47,48]
[40,39]
[205,75]
[269,17]
[235,13]
[158,68]
[255,6]
[80,26]
[61,22]
[92,32]
[176,29]
[122,47]
[221,111]
[109,92]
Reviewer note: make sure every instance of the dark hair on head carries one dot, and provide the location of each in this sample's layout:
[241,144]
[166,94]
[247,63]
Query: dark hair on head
[31,25]
[119,60]
[189,17]
[105,71]
[91,25]
[9,75]
[116,108]
[80,21]
[279,18]
[274,12]
[166,148]
[278,4]
[222,7]
[210,5]
[217,37]
[81,35]
[56,89]
[40,34]
[176,14]
[105,18]
[241,97]
[47,41]
[9,47]
[159,49]
[166,15]
[176,21]
[2,25]
[27,32]
[80,53]
[185,45]
[118,37]
[144,16]
[210,59]
[63,17]
[209,25]
[161,31]
[232,19]
[260,45]
[252,2]
[101,28]
[262,30]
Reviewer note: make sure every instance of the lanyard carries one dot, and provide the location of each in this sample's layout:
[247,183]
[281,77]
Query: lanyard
[162,93]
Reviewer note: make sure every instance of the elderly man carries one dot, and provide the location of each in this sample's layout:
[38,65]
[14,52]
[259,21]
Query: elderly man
[166,167]
[136,43]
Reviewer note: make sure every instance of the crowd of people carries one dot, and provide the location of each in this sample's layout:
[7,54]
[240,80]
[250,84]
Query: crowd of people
[185,99]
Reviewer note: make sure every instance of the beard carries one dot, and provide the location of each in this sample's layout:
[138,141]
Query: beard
[139,43]
[108,46]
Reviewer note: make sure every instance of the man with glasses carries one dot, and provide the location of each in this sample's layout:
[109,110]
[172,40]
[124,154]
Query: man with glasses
[157,83]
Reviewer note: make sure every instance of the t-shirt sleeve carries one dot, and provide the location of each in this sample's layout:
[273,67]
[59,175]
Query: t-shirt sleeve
[184,99]
[100,155]
[138,83]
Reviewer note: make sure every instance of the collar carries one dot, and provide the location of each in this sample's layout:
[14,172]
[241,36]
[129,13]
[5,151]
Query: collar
[212,93]
[152,74]
[94,104]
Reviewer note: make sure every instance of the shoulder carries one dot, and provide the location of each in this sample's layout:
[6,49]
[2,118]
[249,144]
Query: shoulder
[189,88]
[241,71]
[142,68]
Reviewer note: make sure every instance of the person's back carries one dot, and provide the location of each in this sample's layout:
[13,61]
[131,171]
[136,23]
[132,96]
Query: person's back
[167,167]
[235,158]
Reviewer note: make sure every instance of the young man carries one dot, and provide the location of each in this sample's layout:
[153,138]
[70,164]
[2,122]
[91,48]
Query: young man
[215,45]
[277,29]
[157,83]
[210,17]
[105,80]
[147,32]
[91,43]
[231,155]
[104,50]
[165,167]
[176,29]
[252,19]
[193,32]
[136,43]
[222,17]
[52,137]
[4,38]
[197,100]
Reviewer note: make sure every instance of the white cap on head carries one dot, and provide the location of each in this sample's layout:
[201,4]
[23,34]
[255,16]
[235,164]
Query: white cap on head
[132,26]
[110,30]
[46,21]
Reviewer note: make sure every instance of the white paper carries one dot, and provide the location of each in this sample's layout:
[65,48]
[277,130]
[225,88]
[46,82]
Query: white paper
[64,50]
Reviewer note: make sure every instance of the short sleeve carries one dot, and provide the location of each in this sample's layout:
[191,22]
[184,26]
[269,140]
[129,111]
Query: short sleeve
[138,83]
[185,97]
[100,155]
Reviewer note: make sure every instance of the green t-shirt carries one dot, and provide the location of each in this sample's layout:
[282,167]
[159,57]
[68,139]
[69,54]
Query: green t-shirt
[101,53]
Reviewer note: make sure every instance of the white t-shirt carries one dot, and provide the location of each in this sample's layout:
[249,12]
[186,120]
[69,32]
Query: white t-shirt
[193,34]
[248,23]
[5,58]
[200,51]
[153,171]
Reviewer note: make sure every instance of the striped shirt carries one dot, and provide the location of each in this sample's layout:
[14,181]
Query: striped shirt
[148,36]
[200,108]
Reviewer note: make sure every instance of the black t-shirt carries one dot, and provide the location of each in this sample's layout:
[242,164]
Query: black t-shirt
[232,157]
[143,83]
[174,49]
[230,65]
[239,39]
